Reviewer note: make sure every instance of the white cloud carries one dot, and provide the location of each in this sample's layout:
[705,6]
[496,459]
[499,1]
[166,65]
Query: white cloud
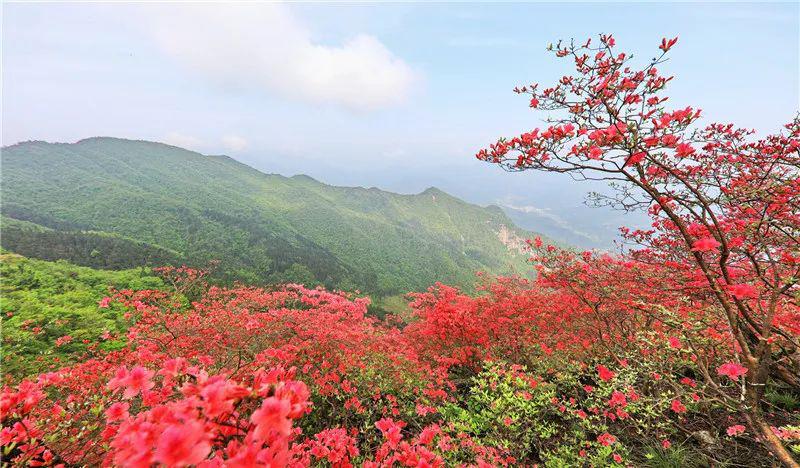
[181,140]
[265,46]
[234,142]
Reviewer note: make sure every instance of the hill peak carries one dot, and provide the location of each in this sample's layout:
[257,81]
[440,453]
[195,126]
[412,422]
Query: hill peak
[432,191]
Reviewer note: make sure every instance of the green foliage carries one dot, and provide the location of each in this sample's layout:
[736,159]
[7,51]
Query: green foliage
[164,204]
[674,457]
[92,249]
[508,407]
[507,411]
[44,301]
[782,398]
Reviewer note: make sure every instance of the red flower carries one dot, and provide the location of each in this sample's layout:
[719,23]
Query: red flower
[618,399]
[667,44]
[689,382]
[635,158]
[677,406]
[138,380]
[684,149]
[604,373]
[743,291]
[63,340]
[606,439]
[391,430]
[706,244]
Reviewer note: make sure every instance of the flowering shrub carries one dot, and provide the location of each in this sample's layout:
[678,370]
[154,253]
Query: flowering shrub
[240,377]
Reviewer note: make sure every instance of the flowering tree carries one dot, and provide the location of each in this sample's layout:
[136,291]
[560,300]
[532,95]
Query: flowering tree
[724,205]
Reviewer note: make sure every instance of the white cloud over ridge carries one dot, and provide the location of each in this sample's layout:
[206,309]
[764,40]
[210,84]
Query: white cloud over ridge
[265,46]
[234,142]
[182,140]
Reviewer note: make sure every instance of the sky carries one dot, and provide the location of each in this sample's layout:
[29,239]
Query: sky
[394,95]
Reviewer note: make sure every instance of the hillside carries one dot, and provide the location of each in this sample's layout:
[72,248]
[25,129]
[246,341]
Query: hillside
[44,301]
[114,203]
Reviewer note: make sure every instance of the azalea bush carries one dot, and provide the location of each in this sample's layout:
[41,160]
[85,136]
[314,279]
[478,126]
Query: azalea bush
[241,376]
[724,207]
[681,349]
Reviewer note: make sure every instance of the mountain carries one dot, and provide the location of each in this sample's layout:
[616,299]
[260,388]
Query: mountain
[114,203]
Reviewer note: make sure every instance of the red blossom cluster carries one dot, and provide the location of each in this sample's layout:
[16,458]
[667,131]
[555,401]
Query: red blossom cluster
[224,381]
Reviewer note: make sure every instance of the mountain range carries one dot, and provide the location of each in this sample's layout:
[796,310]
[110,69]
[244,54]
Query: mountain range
[116,203]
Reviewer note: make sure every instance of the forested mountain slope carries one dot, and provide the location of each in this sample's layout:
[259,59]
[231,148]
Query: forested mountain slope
[47,301]
[114,203]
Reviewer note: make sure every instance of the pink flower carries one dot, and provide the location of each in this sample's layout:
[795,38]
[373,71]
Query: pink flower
[63,340]
[427,434]
[218,398]
[182,444]
[706,244]
[667,44]
[117,412]
[666,444]
[732,370]
[617,458]
[104,302]
[391,430]
[138,380]
[272,416]
[507,421]
[734,431]
[674,342]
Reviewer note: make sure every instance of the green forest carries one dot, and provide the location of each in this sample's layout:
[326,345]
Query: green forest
[44,301]
[115,204]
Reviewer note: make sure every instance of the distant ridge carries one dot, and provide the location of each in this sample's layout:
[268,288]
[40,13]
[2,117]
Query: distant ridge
[180,206]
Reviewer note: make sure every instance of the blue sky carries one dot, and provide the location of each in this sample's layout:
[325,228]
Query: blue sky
[396,95]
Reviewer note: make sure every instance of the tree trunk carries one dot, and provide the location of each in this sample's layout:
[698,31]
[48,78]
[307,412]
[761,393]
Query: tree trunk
[770,440]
